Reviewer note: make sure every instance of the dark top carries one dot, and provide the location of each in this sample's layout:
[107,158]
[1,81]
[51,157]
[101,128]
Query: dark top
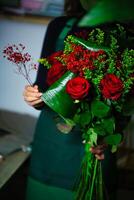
[50,44]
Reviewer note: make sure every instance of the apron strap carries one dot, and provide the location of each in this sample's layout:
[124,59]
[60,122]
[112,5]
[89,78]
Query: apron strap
[63,34]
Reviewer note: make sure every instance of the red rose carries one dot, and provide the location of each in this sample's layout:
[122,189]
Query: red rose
[111,87]
[55,72]
[78,88]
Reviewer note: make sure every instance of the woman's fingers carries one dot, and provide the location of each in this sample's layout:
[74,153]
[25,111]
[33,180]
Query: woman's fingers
[100,157]
[98,151]
[31,90]
[35,102]
[32,95]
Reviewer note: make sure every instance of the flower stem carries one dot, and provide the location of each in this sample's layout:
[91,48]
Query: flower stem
[100,183]
[93,180]
[27,75]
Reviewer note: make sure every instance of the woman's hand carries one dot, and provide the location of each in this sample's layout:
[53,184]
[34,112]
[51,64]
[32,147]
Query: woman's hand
[98,151]
[32,96]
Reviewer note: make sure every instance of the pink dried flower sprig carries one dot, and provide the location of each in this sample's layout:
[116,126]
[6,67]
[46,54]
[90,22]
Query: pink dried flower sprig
[22,60]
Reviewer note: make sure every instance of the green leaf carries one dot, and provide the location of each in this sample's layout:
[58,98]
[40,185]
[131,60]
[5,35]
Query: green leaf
[114,148]
[89,45]
[87,147]
[114,139]
[93,138]
[109,11]
[45,62]
[105,126]
[57,98]
[76,118]
[99,130]
[69,122]
[109,125]
[85,118]
[99,109]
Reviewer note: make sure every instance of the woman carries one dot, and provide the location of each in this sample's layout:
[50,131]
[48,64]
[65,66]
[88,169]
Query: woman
[56,157]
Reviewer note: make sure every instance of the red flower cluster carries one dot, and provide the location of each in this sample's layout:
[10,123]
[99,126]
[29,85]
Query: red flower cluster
[14,54]
[80,59]
[22,60]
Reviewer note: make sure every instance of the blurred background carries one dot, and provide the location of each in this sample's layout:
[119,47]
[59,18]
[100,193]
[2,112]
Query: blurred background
[36,7]
[25,21]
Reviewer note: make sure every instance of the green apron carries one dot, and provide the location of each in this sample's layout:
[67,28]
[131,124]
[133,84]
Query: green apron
[56,157]
[39,191]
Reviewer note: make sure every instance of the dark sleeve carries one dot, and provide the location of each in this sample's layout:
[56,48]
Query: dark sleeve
[49,46]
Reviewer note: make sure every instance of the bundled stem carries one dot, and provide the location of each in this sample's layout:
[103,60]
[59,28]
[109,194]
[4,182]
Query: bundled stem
[90,185]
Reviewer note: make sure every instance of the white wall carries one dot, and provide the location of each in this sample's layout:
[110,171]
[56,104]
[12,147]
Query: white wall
[11,84]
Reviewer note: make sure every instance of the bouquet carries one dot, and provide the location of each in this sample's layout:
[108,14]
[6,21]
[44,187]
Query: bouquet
[91,85]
